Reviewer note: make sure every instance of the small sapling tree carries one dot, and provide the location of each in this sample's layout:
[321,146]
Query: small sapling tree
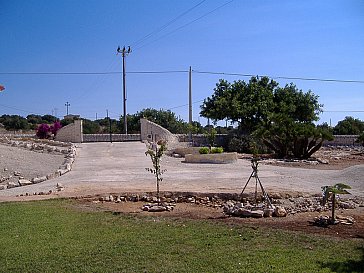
[211,136]
[156,151]
[331,191]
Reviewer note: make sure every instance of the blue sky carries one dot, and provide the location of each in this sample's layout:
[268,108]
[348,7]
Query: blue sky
[306,39]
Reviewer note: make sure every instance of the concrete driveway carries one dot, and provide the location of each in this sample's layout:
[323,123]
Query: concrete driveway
[120,167]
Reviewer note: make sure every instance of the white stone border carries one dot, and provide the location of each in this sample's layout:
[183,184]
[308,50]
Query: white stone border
[41,145]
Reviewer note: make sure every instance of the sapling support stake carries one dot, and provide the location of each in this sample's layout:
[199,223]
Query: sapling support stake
[254,164]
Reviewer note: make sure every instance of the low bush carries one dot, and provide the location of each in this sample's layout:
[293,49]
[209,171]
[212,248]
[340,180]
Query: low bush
[43,131]
[217,150]
[204,150]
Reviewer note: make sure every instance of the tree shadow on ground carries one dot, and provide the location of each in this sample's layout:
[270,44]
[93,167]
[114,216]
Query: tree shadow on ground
[349,266]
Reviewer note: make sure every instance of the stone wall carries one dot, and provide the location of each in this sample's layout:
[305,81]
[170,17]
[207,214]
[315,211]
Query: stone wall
[114,137]
[221,139]
[223,158]
[71,133]
[201,139]
[343,140]
[151,131]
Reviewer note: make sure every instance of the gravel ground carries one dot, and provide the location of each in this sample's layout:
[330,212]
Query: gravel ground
[27,164]
[120,167]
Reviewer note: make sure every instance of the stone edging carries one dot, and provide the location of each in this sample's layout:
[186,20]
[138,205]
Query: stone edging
[223,158]
[48,146]
[233,203]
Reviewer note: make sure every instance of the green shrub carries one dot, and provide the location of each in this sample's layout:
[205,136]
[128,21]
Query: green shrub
[217,150]
[204,150]
[239,144]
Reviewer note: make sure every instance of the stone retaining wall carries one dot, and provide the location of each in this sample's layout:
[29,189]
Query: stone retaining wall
[343,140]
[153,132]
[201,139]
[71,133]
[223,158]
[114,137]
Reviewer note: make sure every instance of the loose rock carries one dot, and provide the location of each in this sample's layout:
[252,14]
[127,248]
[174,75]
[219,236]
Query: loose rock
[280,212]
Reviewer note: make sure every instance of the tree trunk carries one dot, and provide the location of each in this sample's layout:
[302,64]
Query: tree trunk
[333,209]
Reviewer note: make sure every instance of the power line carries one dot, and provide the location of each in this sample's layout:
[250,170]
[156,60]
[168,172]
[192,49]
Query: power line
[184,105]
[166,25]
[183,71]
[158,72]
[18,109]
[344,111]
[187,24]
[94,73]
[59,73]
[279,77]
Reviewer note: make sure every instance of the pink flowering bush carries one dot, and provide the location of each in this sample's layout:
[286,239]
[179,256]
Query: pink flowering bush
[45,131]
[55,127]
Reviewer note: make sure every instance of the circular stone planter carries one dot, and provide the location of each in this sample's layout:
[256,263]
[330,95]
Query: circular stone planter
[223,158]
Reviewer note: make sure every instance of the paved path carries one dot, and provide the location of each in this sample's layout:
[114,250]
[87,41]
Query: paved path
[120,167]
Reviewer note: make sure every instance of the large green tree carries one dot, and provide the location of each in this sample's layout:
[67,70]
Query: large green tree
[281,117]
[349,126]
[249,104]
[164,118]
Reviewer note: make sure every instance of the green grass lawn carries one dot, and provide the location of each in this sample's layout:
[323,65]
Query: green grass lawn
[54,236]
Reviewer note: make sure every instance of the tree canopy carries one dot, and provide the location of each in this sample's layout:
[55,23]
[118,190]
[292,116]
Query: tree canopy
[349,126]
[281,117]
[164,118]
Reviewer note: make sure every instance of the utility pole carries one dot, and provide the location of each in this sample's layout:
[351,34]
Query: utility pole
[124,53]
[190,102]
[67,105]
[107,115]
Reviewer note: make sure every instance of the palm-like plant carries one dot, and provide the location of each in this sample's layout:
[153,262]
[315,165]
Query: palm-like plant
[331,191]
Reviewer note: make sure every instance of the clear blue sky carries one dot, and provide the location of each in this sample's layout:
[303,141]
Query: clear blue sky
[308,39]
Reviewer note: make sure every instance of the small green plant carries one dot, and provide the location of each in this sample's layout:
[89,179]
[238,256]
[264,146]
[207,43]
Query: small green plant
[211,135]
[331,191]
[217,150]
[156,151]
[204,150]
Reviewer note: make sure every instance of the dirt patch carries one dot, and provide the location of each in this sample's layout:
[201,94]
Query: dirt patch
[298,222]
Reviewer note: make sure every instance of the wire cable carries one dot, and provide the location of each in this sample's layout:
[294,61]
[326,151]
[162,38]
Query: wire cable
[185,25]
[278,77]
[166,25]
[184,71]
[157,72]
[94,73]
[60,73]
